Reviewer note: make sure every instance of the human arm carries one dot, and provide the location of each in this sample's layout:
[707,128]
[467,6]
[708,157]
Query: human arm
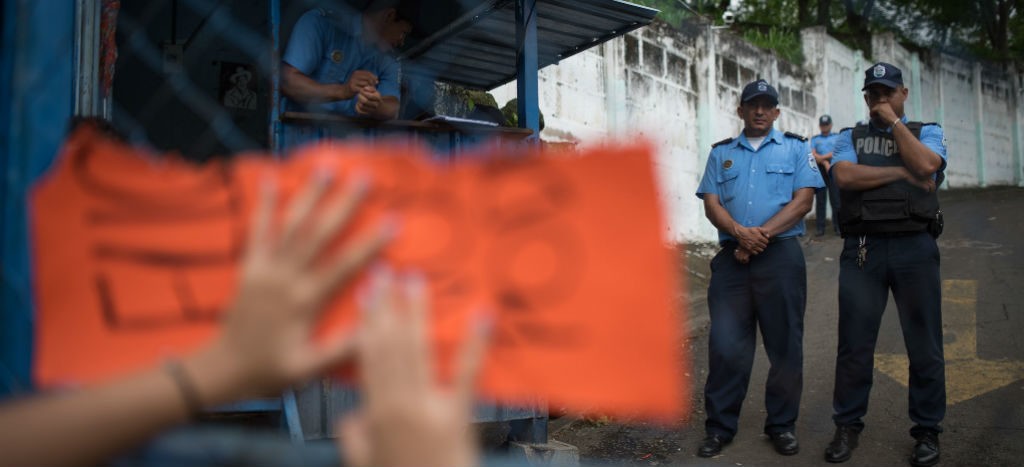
[851,176]
[857,177]
[408,418]
[753,239]
[264,343]
[919,159]
[823,160]
[372,104]
[800,186]
[381,100]
[710,191]
[306,53]
[298,86]
[791,213]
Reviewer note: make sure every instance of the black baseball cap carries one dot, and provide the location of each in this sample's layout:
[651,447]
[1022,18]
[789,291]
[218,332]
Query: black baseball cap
[825,120]
[883,73]
[759,88]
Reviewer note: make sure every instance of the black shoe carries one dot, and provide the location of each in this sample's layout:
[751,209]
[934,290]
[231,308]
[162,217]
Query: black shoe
[820,233]
[711,446]
[785,443]
[842,445]
[926,451]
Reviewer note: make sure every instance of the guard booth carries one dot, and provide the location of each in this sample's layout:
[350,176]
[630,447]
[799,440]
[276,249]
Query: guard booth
[477,44]
[163,85]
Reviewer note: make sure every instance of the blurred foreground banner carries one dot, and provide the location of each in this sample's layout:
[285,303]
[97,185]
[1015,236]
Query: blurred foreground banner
[136,257]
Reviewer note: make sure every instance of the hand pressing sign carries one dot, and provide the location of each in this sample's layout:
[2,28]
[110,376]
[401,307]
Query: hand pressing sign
[136,261]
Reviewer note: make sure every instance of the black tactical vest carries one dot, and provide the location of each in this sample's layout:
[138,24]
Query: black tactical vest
[898,207]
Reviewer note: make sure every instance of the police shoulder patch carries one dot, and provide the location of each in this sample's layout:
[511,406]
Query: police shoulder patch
[724,141]
[794,135]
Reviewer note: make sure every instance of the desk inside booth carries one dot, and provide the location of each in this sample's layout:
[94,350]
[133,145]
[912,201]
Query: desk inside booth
[446,139]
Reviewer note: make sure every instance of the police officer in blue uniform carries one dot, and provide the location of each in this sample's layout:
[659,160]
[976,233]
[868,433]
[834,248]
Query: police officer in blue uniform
[756,189]
[340,62]
[887,171]
[821,148]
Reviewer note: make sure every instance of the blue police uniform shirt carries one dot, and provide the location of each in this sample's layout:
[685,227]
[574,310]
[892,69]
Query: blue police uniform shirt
[824,144]
[755,184]
[931,136]
[328,47]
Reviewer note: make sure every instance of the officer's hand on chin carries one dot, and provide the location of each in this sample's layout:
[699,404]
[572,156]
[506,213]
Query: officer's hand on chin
[883,112]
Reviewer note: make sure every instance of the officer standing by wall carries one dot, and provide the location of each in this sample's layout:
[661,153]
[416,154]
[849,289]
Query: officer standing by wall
[887,171]
[756,189]
[821,149]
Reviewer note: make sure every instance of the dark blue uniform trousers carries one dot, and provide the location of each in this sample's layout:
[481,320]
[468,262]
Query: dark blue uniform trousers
[769,292]
[909,266]
[829,195]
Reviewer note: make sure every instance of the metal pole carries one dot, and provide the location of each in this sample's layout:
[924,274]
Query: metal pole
[528,103]
[535,429]
[274,129]
[857,98]
[708,103]
[37,62]
[979,125]
[940,110]
[1016,102]
[917,92]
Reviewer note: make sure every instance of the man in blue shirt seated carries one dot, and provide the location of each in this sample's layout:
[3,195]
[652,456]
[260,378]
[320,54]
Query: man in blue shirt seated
[756,190]
[341,62]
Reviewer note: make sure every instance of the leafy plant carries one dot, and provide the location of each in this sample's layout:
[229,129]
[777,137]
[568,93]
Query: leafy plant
[784,42]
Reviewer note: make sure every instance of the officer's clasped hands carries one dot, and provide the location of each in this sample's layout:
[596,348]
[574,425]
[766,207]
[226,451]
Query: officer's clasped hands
[368,100]
[752,239]
[359,80]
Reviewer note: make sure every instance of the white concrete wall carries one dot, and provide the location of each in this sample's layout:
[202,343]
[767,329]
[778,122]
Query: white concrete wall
[679,89]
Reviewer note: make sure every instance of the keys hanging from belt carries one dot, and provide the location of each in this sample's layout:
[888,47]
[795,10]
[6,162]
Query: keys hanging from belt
[862,252]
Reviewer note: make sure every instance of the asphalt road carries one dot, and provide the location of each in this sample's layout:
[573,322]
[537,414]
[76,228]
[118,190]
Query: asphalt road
[983,312]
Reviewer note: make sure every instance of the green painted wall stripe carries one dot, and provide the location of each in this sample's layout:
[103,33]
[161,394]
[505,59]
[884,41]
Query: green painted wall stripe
[979,125]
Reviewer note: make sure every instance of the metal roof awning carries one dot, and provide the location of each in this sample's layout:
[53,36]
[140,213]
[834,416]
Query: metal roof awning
[474,43]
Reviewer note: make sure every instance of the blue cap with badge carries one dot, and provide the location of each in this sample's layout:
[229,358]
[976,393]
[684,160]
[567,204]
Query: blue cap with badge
[884,74]
[759,88]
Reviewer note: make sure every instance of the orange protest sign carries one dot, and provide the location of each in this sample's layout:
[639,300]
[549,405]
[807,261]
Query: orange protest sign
[135,258]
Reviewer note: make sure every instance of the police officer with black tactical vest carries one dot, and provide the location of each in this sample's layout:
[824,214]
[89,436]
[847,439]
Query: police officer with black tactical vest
[888,170]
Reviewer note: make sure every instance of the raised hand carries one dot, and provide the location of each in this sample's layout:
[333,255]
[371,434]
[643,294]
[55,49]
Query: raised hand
[408,418]
[287,277]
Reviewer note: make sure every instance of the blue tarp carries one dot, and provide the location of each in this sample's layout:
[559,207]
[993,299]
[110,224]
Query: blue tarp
[36,98]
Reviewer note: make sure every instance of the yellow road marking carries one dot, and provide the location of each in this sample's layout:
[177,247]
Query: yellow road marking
[967,376]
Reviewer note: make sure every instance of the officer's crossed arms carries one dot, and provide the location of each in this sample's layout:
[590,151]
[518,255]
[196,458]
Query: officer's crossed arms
[920,164]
